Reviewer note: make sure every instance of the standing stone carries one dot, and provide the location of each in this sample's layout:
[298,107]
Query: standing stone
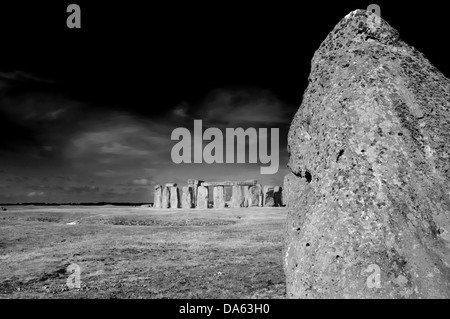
[157,196]
[219,197]
[191,184]
[277,196]
[255,195]
[237,197]
[195,194]
[369,188]
[249,201]
[186,197]
[202,197]
[174,197]
[165,199]
[246,193]
[261,196]
[268,196]
[195,183]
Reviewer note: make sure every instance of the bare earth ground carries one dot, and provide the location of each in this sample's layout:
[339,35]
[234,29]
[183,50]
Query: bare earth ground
[137,252]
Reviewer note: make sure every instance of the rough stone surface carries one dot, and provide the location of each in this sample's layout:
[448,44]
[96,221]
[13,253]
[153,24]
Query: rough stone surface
[174,197]
[202,197]
[369,188]
[268,196]
[186,197]
[158,196]
[219,197]
[165,199]
[237,197]
[289,195]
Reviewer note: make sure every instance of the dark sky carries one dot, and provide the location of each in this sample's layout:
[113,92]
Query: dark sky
[86,114]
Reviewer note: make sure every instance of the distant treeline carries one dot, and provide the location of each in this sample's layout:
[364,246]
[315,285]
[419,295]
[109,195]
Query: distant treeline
[77,204]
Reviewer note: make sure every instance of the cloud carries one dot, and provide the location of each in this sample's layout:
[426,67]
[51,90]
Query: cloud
[81,189]
[36,194]
[119,149]
[181,110]
[232,107]
[118,135]
[54,115]
[141,181]
[38,121]
[107,172]
[17,75]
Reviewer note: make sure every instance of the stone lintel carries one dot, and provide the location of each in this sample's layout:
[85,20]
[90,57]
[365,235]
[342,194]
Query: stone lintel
[230,183]
[193,182]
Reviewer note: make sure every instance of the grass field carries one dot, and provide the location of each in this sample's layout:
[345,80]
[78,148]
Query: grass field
[137,252]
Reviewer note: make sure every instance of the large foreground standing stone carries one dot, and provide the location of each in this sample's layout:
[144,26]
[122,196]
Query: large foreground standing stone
[202,197]
[369,189]
[158,196]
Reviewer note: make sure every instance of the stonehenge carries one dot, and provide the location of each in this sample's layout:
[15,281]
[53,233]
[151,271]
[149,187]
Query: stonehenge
[197,194]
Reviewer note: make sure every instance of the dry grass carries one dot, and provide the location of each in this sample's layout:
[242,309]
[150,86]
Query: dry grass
[142,252]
